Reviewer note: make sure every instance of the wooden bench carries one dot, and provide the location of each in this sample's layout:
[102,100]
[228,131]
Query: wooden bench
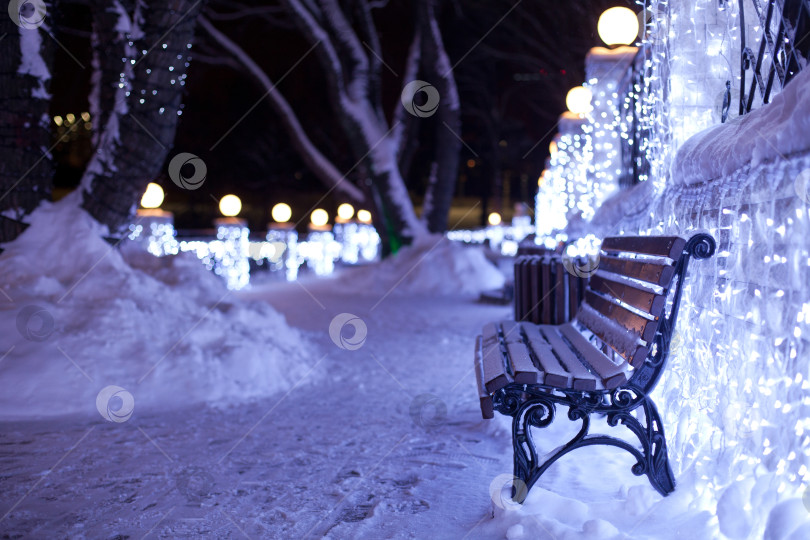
[606,361]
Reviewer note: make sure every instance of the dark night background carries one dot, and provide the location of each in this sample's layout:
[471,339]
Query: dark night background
[512,88]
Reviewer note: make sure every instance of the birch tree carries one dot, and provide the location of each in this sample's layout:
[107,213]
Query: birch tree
[141,54]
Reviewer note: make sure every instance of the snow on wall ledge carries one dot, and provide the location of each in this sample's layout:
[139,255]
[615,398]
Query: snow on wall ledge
[765,135]
[735,397]
[165,330]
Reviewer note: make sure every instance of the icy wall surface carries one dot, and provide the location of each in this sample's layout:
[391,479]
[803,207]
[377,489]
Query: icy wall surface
[768,134]
[735,397]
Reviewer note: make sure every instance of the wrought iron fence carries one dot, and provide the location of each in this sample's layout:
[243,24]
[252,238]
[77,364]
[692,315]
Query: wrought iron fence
[783,50]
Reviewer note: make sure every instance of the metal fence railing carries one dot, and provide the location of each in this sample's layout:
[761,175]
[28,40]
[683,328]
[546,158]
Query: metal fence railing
[783,49]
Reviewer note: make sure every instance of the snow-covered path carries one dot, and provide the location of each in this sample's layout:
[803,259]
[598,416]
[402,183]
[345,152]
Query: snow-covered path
[346,453]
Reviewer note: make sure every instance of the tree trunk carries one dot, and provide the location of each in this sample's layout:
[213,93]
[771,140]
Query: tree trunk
[26,170]
[139,132]
[438,71]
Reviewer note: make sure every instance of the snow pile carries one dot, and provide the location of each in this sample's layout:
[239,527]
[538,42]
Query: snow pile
[79,316]
[772,132]
[433,265]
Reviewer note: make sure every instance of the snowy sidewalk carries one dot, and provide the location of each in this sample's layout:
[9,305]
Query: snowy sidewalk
[342,454]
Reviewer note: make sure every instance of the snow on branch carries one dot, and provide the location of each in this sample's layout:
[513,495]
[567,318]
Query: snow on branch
[319,163]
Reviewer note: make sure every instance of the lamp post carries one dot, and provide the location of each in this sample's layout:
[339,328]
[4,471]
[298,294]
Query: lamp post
[154,228]
[280,232]
[232,249]
[321,248]
[346,230]
[606,70]
[367,237]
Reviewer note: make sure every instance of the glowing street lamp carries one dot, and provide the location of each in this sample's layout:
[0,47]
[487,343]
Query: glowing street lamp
[494,219]
[364,216]
[618,26]
[281,213]
[319,220]
[152,197]
[578,100]
[345,212]
[230,206]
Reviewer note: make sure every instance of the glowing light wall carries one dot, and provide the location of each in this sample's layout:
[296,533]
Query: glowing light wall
[736,395]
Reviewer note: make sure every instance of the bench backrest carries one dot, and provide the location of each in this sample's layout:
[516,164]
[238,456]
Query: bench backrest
[626,299]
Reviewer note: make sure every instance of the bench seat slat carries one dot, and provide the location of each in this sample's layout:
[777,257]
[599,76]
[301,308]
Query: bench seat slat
[659,246]
[495,374]
[522,366]
[611,374]
[632,322]
[484,399]
[582,378]
[654,273]
[633,296]
[511,332]
[489,334]
[554,373]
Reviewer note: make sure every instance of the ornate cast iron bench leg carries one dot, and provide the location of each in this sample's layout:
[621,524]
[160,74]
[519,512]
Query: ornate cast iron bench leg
[539,411]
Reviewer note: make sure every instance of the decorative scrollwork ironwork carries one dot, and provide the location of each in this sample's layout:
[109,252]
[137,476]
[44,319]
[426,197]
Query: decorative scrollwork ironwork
[701,246]
[541,414]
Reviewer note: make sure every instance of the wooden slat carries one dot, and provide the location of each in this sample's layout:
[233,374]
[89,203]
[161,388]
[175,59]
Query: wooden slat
[537,288]
[582,378]
[633,296]
[657,274]
[528,291]
[632,352]
[484,399]
[633,323]
[546,304]
[523,369]
[573,296]
[518,287]
[560,274]
[611,374]
[660,246]
[495,374]
[511,331]
[555,373]
[489,334]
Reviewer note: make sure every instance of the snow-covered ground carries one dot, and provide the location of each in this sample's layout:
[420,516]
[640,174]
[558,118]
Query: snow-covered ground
[384,441]
[339,408]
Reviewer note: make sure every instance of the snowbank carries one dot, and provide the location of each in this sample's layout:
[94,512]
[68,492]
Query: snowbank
[434,266]
[165,330]
[774,131]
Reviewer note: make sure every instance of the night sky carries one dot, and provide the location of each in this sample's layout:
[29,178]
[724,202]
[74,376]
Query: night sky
[512,86]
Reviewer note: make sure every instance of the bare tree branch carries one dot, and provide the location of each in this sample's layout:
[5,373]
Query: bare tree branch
[315,160]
